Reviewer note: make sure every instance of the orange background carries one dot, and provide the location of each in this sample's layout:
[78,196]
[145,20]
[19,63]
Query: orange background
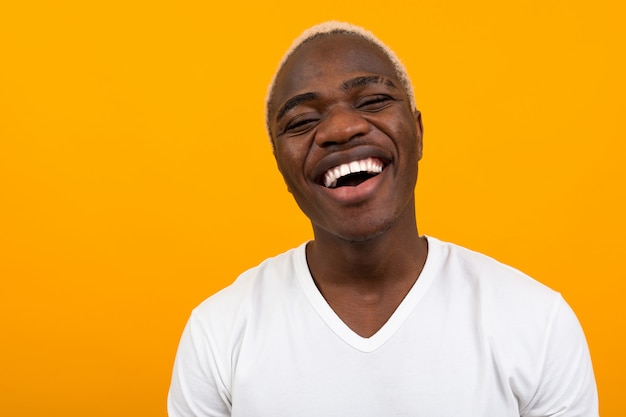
[136,177]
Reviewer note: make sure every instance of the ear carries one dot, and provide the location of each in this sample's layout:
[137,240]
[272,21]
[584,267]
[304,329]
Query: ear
[420,132]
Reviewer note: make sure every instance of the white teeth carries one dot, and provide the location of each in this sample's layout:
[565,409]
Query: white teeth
[369,165]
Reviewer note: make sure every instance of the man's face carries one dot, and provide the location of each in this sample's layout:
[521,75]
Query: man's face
[346,140]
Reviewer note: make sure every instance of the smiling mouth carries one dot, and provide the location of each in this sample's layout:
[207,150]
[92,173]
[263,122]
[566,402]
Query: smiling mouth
[353,173]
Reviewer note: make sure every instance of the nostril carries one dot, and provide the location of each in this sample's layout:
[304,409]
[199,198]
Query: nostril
[340,127]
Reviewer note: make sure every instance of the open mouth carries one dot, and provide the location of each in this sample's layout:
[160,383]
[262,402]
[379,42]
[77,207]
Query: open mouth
[353,173]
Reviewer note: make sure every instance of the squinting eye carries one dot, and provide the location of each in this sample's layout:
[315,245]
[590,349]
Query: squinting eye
[374,103]
[300,125]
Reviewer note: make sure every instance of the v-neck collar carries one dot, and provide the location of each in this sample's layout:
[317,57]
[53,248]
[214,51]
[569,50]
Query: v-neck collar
[399,316]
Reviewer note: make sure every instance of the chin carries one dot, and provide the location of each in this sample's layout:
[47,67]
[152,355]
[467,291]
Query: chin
[360,232]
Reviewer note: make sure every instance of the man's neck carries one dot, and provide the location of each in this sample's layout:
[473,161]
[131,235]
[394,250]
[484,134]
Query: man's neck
[394,253]
[364,282]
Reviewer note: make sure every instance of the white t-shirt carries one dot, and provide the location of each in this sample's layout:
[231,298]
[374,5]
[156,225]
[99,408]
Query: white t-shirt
[473,337]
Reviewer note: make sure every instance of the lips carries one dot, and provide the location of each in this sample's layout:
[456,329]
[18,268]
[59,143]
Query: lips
[352,173]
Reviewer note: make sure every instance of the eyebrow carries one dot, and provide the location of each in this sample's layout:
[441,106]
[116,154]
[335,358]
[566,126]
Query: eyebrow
[295,101]
[366,80]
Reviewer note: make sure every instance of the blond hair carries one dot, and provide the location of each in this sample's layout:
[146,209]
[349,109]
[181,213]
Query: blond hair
[335,28]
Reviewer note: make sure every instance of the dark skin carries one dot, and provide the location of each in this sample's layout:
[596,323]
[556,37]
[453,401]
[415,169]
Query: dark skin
[364,283]
[338,100]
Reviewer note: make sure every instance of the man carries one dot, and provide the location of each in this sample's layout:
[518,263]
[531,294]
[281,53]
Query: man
[370,318]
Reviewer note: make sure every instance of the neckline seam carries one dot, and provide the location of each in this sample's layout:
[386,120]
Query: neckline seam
[395,322]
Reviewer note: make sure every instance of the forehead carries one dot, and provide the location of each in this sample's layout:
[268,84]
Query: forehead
[328,59]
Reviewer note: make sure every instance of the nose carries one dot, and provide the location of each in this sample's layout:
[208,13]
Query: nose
[339,126]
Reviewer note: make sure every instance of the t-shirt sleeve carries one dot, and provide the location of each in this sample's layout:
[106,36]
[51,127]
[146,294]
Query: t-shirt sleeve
[199,380]
[567,386]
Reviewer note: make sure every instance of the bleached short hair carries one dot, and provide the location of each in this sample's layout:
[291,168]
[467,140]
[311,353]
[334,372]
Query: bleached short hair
[336,28]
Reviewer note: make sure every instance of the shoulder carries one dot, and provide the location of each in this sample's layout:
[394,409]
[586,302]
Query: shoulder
[480,272]
[531,331]
[261,285]
[505,301]
[517,314]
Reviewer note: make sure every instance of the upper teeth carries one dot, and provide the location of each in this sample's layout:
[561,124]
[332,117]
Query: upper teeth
[368,165]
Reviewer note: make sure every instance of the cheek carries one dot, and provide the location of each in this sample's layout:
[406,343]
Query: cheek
[292,152]
[290,161]
[411,141]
